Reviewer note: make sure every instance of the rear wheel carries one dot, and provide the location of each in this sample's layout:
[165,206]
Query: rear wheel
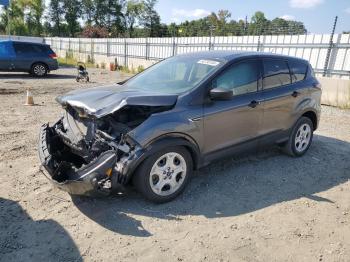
[39,69]
[164,175]
[300,138]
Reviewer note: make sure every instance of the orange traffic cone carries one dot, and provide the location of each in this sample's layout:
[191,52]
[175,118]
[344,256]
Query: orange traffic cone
[29,99]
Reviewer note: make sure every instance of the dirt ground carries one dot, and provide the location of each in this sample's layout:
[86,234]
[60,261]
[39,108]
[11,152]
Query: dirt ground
[264,207]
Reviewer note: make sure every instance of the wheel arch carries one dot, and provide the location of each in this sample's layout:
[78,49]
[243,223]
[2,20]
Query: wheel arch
[311,114]
[162,142]
[175,139]
[39,62]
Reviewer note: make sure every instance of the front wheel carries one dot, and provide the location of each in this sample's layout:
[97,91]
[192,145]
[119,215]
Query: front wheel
[300,138]
[164,175]
[39,70]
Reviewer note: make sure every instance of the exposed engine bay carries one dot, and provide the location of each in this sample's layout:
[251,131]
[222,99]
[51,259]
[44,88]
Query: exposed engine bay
[88,137]
[90,147]
[77,142]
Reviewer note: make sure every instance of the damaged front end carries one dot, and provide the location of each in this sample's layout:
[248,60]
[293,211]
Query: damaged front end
[84,154]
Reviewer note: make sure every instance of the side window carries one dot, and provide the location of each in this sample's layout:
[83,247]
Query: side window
[39,49]
[241,78]
[298,70]
[276,73]
[23,48]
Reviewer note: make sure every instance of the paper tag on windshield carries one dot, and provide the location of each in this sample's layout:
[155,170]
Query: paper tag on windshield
[208,62]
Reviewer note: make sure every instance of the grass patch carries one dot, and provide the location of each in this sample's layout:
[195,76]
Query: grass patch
[71,61]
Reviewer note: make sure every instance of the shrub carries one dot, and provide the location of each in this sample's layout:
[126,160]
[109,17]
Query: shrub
[140,68]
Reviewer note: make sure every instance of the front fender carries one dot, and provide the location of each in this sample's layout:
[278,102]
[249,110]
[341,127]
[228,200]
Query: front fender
[128,165]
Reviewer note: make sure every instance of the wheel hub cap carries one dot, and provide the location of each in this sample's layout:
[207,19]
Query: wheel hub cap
[167,174]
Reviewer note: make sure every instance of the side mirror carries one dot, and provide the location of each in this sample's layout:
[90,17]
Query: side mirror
[221,94]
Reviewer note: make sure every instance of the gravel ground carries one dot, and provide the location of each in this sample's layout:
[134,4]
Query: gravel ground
[263,207]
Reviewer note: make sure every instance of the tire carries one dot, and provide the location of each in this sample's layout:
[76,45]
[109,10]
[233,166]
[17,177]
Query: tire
[160,181]
[39,70]
[300,138]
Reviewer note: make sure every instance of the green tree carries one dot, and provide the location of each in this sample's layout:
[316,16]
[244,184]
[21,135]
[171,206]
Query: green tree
[115,17]
[72,12]
[100,8]
[133,13]
[88,12]
[56,17]
[259,24]
[150,18]
[34,13]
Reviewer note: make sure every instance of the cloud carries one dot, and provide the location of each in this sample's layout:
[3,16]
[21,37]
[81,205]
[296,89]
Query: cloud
[347,10]
[288,17]
[304,3]
[179,14]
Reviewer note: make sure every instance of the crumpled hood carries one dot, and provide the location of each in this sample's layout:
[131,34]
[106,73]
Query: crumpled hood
[101,101]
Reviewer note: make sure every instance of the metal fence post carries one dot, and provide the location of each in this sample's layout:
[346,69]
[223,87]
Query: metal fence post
[262,43]
[125,53]
[174,47]
[107,47]
[79,48]
[333,55]
[92,49]
[330,47]
[211,38]
[147,49]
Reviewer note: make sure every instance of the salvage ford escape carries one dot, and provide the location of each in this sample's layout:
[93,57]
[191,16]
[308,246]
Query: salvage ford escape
[179,115]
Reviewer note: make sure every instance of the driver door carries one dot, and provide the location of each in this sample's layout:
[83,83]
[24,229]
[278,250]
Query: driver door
[232,125]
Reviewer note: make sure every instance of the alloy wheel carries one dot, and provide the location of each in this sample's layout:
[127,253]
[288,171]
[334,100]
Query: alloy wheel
[39,70]
[302,137]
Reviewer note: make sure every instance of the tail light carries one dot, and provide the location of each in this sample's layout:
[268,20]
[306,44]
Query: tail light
[53,56]
[317,85]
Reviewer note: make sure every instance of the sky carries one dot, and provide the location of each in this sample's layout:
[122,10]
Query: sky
[317,15]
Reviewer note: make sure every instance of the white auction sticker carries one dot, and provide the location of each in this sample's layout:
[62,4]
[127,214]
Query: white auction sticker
[208,62]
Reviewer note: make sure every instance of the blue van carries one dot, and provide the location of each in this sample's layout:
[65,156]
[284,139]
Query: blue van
[35,58]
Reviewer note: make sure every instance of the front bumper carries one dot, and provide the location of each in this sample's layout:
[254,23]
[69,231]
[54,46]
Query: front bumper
[90,179]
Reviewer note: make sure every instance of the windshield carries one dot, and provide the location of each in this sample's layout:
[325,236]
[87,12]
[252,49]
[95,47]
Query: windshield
[174,75]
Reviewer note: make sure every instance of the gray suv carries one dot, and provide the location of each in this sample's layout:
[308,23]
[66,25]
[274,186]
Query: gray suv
[177,116]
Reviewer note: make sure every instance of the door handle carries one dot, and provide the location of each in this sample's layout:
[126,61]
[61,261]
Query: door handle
[295,94]
[254,104]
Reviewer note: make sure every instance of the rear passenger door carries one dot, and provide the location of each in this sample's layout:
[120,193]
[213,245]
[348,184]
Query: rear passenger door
[7,56]
[278,99]
[26,55]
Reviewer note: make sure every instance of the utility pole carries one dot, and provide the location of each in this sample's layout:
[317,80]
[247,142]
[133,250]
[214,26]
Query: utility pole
[211,28]
[330,47]
[8,22]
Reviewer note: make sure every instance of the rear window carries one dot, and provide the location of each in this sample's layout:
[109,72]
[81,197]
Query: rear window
[298,70]
[276,73]
[25,48]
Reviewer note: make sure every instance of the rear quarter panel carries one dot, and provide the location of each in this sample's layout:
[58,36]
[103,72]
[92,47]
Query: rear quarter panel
[309,101]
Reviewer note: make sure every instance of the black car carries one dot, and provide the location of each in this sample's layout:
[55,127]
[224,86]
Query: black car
[177,116]
[34,58]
